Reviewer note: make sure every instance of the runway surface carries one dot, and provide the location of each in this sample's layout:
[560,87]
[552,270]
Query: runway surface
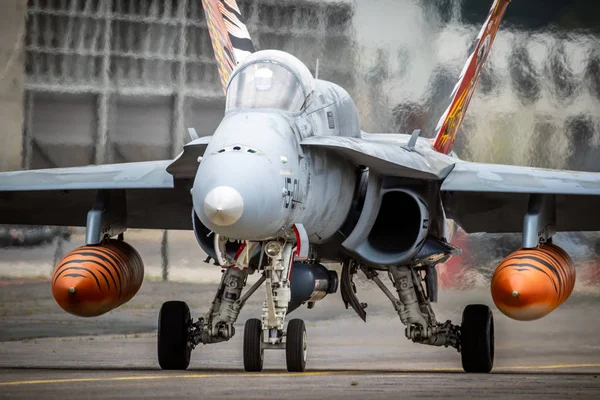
[45,353]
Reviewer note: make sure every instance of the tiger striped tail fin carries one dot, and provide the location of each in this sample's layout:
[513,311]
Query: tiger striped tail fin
[229,36]
[450,121]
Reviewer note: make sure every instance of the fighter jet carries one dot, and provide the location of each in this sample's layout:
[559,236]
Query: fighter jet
[289,181]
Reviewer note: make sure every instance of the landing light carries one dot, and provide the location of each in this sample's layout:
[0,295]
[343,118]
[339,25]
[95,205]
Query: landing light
[272,249]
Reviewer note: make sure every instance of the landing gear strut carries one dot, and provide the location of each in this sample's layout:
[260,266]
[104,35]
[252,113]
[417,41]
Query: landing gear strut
[178,335]
[474,339]
[275,307]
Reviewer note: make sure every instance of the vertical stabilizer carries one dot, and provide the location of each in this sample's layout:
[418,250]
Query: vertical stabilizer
[229,36]
[450,121]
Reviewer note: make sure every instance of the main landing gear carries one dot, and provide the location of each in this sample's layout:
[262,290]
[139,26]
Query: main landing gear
[474,338]
[174,347]
[477,339]
[178,334]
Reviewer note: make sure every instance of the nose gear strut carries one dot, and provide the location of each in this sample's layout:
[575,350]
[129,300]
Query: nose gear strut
[217,325]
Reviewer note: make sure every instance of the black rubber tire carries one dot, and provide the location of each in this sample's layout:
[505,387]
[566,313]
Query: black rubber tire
[295,346]
[253,351]
[174,349]
[477,339]
[334,282]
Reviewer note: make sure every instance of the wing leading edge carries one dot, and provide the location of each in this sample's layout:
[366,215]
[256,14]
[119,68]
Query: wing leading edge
[497,178]
[136,175]
[63,196]
[387,154]
[494,198]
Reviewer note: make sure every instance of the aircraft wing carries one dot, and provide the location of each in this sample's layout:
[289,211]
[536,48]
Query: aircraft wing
[63,196]
[494,198]
[386,154]
[498,178]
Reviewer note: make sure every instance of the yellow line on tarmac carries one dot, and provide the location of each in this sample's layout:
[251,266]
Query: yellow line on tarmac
[157,377]
[281,374]
[556,366]
[517,367]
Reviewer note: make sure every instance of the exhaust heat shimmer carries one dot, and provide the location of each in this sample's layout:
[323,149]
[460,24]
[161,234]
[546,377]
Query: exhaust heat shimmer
[530,283]
[92,280]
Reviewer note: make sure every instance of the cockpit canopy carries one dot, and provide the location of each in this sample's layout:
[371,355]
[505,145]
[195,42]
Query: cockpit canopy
[270,79]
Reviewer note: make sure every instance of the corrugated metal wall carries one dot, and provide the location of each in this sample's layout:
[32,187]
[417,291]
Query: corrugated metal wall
[120,80]
[12,31]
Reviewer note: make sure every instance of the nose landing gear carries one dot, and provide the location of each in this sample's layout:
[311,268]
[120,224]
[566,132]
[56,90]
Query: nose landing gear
[178,335]
[295,345]
[271,335]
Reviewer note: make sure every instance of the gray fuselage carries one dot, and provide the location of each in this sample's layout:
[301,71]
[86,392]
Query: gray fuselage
[255,179]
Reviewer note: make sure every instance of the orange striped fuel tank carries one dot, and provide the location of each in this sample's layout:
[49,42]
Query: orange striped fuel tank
[530,283]
[92,280]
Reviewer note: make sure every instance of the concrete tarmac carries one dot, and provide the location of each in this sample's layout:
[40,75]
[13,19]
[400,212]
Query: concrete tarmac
[46,353]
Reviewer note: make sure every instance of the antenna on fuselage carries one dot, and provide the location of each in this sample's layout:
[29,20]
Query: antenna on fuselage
[412,142]
[317,70]
[193,134]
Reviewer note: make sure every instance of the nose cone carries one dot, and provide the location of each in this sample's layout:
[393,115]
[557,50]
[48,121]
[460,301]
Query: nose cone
[237,204]
[223,206]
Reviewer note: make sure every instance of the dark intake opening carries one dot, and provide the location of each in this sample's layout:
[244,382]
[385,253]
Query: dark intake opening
[397,224]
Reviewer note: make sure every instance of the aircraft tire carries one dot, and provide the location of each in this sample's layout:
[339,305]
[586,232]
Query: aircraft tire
[296,346]
[174,349]
[253,351]
[477,339]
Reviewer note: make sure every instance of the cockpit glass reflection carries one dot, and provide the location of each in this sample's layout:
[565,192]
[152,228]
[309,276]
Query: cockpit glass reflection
[265,85]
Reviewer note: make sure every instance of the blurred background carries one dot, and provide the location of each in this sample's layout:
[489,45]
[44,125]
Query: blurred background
[102,81]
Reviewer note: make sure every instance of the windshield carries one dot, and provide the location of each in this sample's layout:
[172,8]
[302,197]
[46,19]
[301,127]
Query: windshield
[265,85]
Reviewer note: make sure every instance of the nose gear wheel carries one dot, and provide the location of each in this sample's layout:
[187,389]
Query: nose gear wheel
[296,346]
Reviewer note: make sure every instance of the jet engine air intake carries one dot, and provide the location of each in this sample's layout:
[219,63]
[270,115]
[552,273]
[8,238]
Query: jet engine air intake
[398,223]
[93,280]
[392,227]
[530,283]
